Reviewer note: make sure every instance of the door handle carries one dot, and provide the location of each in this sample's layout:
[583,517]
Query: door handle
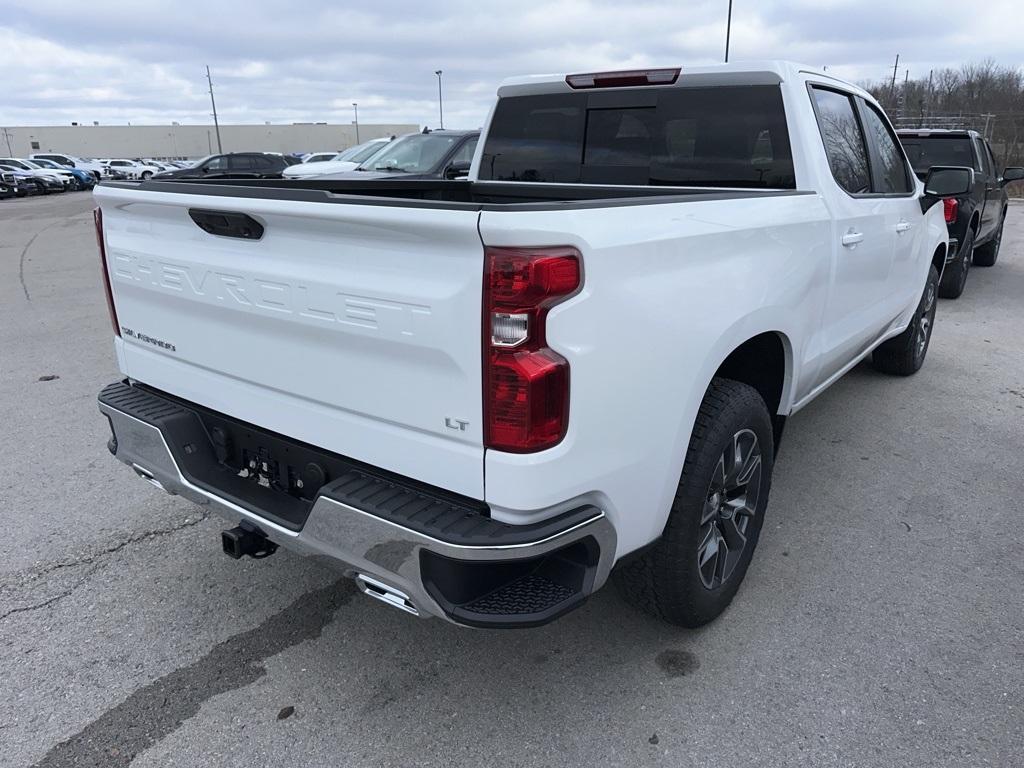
[851,238]
[903,226]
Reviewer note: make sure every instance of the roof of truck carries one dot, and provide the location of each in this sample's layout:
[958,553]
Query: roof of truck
[759,72]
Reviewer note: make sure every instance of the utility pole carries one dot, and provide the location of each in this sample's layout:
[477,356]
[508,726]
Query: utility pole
[928,97]
[213,104]
[440,101]
[355,106]
[903,104]
[728,31]
[7,136]
[892,85]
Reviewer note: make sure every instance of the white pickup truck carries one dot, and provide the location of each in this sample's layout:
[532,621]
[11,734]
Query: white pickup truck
[478,397]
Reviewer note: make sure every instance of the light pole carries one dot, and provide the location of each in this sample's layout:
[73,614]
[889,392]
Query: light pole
[728,32]
[355,106]
[7,136]
[213,104]
[440,101]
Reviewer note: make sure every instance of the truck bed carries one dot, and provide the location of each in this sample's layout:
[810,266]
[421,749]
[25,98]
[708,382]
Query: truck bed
[464,195]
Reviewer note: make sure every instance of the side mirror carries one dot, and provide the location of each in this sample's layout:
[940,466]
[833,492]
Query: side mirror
[948,181]
[204,169]
[457,170]
[1012,174]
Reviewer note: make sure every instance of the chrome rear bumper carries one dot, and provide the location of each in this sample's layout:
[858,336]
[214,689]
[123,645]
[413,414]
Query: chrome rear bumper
[409,569]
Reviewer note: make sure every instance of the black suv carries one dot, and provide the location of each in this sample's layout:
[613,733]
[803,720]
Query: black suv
[239,165]
[975,221]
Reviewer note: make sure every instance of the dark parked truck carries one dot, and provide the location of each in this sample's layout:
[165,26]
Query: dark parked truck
[975,220]
[476,397]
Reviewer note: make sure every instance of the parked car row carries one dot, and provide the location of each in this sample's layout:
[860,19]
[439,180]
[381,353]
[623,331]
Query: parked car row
[441,154]
[20,177]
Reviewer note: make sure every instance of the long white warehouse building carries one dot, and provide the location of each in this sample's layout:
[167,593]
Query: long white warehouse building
[185,141]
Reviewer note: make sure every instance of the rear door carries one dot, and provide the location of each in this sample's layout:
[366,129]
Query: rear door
[860,305]
[353,327]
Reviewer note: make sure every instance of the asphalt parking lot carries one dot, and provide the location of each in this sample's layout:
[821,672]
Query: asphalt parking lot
[881,623]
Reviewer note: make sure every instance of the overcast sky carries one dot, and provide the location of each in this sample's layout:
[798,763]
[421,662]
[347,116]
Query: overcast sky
[143,61]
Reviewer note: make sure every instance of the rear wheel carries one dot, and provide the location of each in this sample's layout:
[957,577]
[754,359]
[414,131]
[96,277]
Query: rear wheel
[954,276]
[147,175]
[904,355]
[986,255]
[692,572]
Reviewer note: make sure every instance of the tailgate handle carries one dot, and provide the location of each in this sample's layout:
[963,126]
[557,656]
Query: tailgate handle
[227,223]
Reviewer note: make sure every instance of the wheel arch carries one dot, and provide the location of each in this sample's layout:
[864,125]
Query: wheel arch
[939,258]
[764,361]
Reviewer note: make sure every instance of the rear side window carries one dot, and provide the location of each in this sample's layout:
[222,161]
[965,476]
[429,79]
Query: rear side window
[843,139]
[723,136]
[891,175]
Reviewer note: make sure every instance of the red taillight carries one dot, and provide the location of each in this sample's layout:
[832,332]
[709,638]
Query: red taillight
[950,208]
[623,79]
[526,384]
[97,216]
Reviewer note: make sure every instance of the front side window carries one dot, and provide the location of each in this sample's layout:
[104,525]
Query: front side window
[218,163]
[891,174]
[983,157]
[843,139]
[464,154]
[991,159]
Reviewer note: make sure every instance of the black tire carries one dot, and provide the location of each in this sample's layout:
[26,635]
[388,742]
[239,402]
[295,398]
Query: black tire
[904,355]
[668,580]
[147,175]
[954,276]
[986,255]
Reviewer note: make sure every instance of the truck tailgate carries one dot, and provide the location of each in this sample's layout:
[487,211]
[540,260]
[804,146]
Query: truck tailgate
[353,327]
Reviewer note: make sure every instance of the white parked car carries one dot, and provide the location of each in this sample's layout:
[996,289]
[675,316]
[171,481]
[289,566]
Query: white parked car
[133,168]
[348,160]
[319,157]
[669,264]
[162,165]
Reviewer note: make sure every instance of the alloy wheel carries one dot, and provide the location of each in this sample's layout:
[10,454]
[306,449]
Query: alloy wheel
[924,324]
[730,504]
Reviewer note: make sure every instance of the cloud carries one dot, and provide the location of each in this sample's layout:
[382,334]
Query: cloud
[145,62]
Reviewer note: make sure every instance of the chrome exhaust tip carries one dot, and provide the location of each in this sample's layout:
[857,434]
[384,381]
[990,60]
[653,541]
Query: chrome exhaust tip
[385,593]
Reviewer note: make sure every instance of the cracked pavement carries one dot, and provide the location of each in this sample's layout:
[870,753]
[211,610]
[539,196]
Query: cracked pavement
[880,623]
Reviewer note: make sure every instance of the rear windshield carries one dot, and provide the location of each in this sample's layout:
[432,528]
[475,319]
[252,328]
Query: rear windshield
[924,152]
[721,137]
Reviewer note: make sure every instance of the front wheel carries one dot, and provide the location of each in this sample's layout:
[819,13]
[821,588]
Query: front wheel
[904,355]
[692,572]
[146,175]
